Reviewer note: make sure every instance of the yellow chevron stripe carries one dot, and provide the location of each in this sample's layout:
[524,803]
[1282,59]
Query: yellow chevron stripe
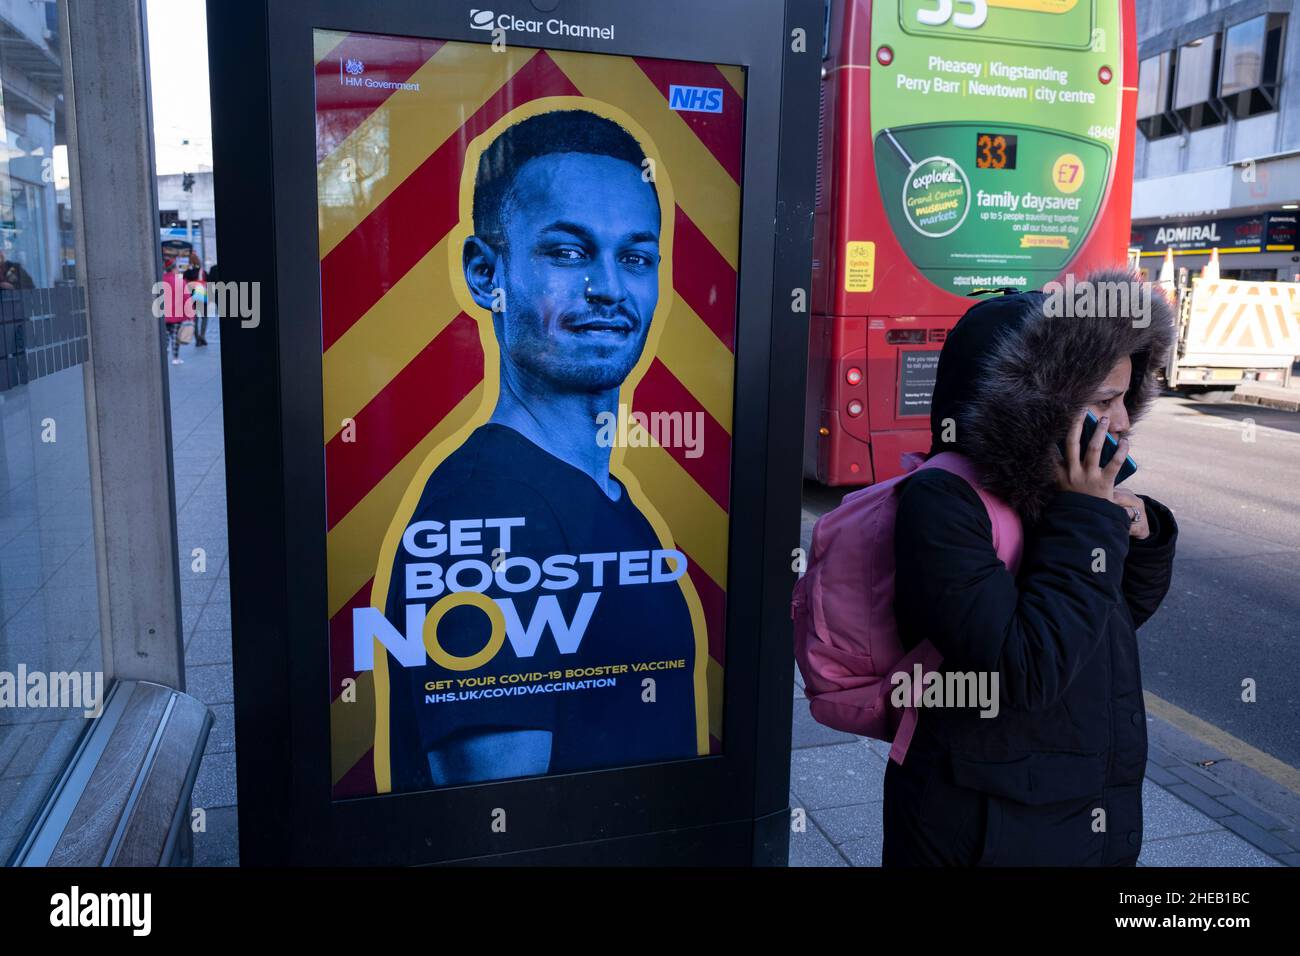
[699,526]
[369,355]
[699,361]
[394,140]
[353,546]
[736,77]
[324,41]
[702,187]
[352,727]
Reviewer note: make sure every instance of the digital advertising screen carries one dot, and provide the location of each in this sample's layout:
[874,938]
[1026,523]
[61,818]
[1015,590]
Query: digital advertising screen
[528,274]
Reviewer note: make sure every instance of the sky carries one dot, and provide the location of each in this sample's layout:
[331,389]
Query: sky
[178,71]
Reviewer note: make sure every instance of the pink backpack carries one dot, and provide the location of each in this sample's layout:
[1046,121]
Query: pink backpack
[845,636]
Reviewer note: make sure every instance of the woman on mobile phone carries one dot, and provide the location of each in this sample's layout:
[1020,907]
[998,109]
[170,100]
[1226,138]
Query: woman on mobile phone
[1055,776]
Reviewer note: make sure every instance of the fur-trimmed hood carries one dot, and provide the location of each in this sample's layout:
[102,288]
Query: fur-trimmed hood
[1016,370]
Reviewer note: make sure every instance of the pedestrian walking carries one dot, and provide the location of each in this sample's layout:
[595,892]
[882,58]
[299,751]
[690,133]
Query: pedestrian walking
[196,288]
[175,299]
[213,279]
[1054,776]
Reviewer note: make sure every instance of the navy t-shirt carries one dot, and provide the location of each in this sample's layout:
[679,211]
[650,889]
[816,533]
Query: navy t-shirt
[499,474]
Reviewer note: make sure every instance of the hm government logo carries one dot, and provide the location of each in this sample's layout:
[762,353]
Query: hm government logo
[352,73]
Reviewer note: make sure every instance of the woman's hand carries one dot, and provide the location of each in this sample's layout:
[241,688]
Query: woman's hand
[1087,476]
[1137,513]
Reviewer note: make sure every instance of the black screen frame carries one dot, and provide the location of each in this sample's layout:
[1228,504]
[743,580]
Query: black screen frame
[726,808]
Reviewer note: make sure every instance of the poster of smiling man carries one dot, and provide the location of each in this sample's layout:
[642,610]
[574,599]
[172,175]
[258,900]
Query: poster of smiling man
[528,278]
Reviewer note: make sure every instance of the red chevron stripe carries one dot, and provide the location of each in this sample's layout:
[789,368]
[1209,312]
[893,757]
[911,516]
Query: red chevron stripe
[419,212]
[359,781]
[721,133]
[660,391]
[397,419]
[704,280]
[341,108]
[714,601]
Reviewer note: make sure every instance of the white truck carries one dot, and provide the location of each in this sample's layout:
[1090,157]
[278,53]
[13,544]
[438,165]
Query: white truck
[1232,331]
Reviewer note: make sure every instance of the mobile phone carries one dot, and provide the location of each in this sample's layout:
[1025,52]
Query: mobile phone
[1107,450]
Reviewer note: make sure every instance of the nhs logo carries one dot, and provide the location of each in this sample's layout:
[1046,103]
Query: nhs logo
[695,99]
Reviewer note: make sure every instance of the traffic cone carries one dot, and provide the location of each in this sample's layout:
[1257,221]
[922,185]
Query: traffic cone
[1167,269]
[1211,270]
[1166,283]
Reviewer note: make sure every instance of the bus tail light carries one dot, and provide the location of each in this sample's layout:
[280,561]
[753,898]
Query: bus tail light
[884,56]
[1105,75]
[855,408]
[853,376]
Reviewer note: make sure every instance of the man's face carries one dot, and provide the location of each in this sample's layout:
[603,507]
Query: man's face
[579,269]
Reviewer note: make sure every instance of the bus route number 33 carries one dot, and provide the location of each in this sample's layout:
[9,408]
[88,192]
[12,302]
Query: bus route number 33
[971,18]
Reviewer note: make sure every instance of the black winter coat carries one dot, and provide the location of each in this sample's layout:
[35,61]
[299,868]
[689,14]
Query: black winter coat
[1055,778]
[1024,787]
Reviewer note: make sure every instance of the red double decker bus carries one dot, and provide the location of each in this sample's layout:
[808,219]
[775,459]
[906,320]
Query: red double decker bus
[965,145]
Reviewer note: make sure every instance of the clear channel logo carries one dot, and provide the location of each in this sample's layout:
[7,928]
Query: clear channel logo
[491,21]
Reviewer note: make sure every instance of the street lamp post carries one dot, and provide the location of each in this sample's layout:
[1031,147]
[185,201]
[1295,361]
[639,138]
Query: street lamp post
[187,185]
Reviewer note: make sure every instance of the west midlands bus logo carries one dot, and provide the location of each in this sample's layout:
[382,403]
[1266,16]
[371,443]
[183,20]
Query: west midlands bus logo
[355,67]
[481,19]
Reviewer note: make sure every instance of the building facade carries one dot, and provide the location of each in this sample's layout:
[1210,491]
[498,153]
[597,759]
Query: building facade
[1217,163]
[189,215]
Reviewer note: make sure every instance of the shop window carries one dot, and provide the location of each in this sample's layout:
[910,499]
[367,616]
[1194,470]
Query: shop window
[51,655]
[1249,275]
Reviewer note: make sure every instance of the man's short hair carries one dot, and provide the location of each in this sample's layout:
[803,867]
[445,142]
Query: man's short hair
[559,131]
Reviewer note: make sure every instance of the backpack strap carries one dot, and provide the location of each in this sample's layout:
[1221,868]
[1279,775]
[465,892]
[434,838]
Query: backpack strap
[1008,542]
[928,656]
[1008,532]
